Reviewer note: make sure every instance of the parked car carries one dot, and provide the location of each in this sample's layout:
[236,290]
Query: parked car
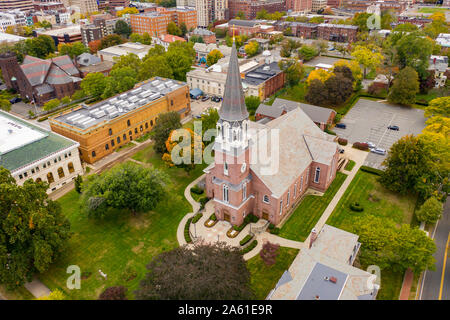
[205,98]
[341,125]
[395,128]
[371,145]
[198,116]
[341,150]
[378,151]
[15,100]
[216,99]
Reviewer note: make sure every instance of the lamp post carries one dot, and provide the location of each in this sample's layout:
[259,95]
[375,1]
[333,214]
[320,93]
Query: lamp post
[195,230]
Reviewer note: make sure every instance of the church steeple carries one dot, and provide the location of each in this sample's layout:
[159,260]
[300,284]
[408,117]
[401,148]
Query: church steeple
[233,105]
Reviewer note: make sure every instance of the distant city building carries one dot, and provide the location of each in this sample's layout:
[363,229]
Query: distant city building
[40,80]
[91,32]
[334,3]
[86,6]
[443,39]
[119,3]
[109,124]
[155,24]
[205,34]
[438,65]
[418,21]
[62,35]
[362,5]
[166,40]
[211,10]
[251,7]
[246,27]
[31,152]
[337,32]
[299,5]
[123,49]
[316,5]
[12,18]
[88,63]
[23,5]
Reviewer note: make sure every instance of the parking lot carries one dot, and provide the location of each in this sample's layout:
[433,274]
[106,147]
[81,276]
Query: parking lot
[198,106]
[368,120]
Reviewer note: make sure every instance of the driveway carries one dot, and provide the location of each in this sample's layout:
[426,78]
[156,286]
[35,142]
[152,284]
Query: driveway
[321,59]
[368,121]
[21,109]
[198,106]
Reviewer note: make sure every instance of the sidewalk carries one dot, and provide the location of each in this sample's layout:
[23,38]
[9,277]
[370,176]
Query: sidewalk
[37,288]
[406,286]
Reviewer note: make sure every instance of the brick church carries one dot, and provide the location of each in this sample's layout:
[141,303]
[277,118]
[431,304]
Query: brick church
[40,80]
[239,183]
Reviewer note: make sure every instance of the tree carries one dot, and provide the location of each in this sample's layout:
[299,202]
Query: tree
[342,49]
[317,19]
[173,29]
[130,60]
[322,46]
[430,211]
[405,87]
[360,20]
[414,50]
[252,103]
[119,80]
[114,293]
[317,93]
[196,39]
[73,50]
[318,74]
[155,66]
[391,247]
[54,295]
[52,104]
[213,56]
[437,26]
[269,253]
[367,58]
[65,100]
[204,272]
[40,46]
[94,46]
[183,29]
[293,70]
[406,27]
[78,95]
[164,125]
[122,28]
[180,56]
[262,14]
[209,119]
[306,52]
[251,48]
[127,10]
[94,84]
[5,105]
[111,40]
[126,186]
[196,148]
[78,182]
[135,37]
[33,232]
[339,88]
[438,107]
[408,161]
[354,67]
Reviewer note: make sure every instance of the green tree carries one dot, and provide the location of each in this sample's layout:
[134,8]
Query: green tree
[166,278]
[122,28]
[209,119]
[135,37]
[52,104]
[293,70]
[126,186]
[196,39]
[414,50]
[40,46]
[5,105]
[111,40]
[368,58]
[73,50]
[438,107]
[405,87]
[33,231]
[252,103]
[155,66]
[430,211]
[119,80]
[94,84]
[360,20]
[164,125]
[213,56]
[173,29]
[262,14]
[65,100]
[406,27]
[130,60]
[339,88]
[306,52]
[183,29]
[317,20]
[180,56]
[317,93]
[78,182]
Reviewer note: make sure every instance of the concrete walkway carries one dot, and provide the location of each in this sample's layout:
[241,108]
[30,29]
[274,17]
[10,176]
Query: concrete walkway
[37,288]
[406,285]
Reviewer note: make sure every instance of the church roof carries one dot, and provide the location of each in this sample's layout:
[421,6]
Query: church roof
[233,105]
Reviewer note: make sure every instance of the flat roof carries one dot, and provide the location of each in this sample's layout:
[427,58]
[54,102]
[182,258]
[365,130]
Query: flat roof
[262,73]
[27,142]
[61,31]
[106,110]
[138,49]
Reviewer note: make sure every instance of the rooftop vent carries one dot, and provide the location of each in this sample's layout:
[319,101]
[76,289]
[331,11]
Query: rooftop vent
[333,279]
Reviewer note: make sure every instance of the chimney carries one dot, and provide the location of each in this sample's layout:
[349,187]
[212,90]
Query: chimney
[313,237]
[317,297]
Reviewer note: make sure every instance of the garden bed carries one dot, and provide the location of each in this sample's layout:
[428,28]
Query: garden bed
[250,247]
[211,222]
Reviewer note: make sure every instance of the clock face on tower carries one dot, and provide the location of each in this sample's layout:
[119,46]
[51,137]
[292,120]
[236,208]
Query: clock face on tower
[243,167]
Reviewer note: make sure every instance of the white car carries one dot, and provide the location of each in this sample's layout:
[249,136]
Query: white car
[371,145]
[378,151]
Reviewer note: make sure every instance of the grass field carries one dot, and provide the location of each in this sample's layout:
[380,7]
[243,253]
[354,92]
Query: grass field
[120,245]
[377,201]
[295,93]
[309,211]
[264,278]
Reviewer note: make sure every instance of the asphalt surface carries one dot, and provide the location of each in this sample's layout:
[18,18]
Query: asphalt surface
[368,120]
[436,284]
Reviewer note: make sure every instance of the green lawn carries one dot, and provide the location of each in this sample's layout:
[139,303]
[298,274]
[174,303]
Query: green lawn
[264,278]
[295,93]
[377,201]
[125,146]
[349,166]
[122,244]
[309,211]
[432,10]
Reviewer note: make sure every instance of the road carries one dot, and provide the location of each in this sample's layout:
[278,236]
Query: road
[436,284]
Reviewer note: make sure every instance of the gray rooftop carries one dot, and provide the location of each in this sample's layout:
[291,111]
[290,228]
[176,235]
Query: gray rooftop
[89,116]
[262,73]
[323,283]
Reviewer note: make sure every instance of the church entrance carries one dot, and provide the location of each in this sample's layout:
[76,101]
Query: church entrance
[226,216]
[265,215]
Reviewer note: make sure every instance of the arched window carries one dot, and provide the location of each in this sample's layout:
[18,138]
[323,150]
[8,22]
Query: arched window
[110,132]
[146,125]
[151,123]
[317,175]
[70,167]
[225,193]
[128,123]
[61,172]
[50,178]
[225,168]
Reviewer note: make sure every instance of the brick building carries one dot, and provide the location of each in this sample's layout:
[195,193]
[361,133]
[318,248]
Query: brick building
[23,5]
[155,24]
[334,3]
[299,5]
[299,156]
[40,80]
[109,124]
[251,7]
[337,32]
[205,34]
[304,30]
[362,5]
[62,35]
[246,27]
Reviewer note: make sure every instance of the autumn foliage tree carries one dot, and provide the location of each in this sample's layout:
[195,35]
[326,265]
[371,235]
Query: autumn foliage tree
[94,46]
[114,293]
[269,253]
[203,272]
[179,144]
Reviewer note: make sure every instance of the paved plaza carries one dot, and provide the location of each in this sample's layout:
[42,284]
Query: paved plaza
[368,120]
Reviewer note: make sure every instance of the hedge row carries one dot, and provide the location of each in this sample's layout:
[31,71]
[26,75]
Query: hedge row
[187,236]
[250,247]
[342,141]
[273,229]
[378,172]
[197,190]
[249,218]
[197,217]
[246,239]
[355,206]
[203,201]
[361,146]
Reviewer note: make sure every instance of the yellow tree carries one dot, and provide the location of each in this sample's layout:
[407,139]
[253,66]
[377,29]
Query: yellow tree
[319,74]
[178,143]
[128,10]
[213,56]
[368,58]
[353,66]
